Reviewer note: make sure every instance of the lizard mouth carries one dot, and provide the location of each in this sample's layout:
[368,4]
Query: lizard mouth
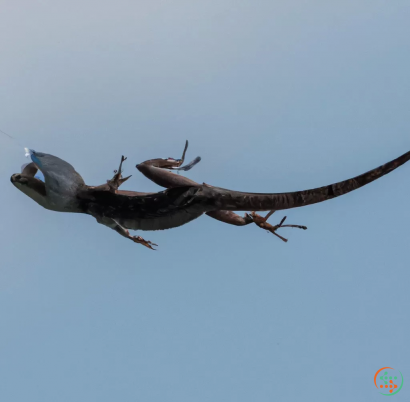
[27,184]
[22,179]
[18,178]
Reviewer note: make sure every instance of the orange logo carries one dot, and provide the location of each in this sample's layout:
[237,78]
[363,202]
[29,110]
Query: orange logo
[388,381]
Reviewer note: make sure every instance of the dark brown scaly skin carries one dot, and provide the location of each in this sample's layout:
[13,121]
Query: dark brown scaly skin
[219,198]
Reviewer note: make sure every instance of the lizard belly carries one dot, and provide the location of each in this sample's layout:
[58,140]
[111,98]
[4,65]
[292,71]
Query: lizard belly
[173,220]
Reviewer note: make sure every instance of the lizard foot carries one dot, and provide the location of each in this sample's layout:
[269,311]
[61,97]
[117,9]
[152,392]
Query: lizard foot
[172,163]
[263,224]
[117,179]
[146,243]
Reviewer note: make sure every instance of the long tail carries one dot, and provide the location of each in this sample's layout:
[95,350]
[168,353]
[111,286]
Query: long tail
[216,198]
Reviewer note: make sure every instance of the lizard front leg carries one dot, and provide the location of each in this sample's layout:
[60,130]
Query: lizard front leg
[113,184]
[117,179]
[113,224]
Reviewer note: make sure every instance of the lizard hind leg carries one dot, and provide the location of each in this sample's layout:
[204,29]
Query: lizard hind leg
[179,162]
[157,170]
[262,222]
[173,164]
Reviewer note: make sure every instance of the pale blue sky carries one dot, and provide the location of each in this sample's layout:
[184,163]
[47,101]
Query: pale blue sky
[275,96]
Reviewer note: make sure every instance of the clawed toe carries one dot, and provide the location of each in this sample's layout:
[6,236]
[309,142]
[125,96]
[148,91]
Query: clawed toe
[146,243]
[263,224]
[175,164]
